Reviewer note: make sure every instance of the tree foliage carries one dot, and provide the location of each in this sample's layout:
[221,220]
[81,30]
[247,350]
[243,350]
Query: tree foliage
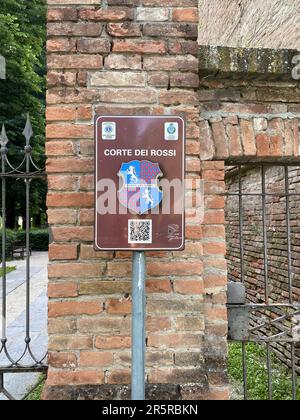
[22,43]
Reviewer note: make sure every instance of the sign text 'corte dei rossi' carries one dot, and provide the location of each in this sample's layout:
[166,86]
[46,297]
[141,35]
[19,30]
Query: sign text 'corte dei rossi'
[139,174]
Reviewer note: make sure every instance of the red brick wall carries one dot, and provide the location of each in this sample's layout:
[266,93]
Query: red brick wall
[128,57]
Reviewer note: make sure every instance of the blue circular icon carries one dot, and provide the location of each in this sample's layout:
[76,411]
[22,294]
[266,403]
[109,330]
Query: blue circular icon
[108,129]
[171,129]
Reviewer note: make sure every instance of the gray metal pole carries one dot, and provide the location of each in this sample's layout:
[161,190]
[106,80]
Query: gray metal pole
[138,326]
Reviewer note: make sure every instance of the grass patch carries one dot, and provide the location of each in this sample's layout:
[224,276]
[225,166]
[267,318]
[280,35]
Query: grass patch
[36,393]
[258,374]
[8,270]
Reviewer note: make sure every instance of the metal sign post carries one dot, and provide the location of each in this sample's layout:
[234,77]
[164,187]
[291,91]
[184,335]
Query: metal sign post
[138,326]
[139,203]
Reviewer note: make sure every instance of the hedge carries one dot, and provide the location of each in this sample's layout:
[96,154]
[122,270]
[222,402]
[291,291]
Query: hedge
[39,240]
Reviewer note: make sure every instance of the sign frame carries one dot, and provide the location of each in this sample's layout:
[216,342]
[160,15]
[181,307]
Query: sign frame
[97,131]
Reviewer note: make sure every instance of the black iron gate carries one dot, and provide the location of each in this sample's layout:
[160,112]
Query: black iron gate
[26,171]
[263,242]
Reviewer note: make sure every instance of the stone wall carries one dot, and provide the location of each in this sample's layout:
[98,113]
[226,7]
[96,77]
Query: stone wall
[249,23]
[133,57]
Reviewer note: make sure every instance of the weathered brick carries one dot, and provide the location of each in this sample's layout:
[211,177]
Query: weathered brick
[70,199]
[74,29]
[158,286]
[190,323]
[119,376]
[56,378]
[179,30]
[118,306]
[207,147]
[248,138]
[62,360]
[126,29]
[111,78]
[69,342]
[116,325]
[185,15]
[59,148]
[220,140]
[189,287]
[183,47]
[177,63]
[142,95]
[178,97]
[63,13]
[95,359]
[235,146]
[88,252]
[75,270]
[72,233]
[113,342]
[121,61]
[61,113]
[63,252]
[62,290]
[263,144]
[183,268]
[61,45]
[61,216]
[65,308]
[158,324]
[93,45]
[276,145]
[174,375]
[149,14]
[62,182]
[71,165]
[112,14]
[159,79]
[190,80]
[81,61]
[55,78]
[139,46]
[175,340]
[62,326]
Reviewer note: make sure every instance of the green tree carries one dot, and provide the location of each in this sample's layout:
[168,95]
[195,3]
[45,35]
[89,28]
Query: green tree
[22,43]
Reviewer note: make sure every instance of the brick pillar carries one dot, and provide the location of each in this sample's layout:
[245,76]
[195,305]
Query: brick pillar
[135,57]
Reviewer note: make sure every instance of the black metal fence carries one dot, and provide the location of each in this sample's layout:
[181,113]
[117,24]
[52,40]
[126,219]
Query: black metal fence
[26,171]
[263,298]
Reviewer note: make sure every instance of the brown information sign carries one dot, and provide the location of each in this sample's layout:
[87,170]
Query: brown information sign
[139,174]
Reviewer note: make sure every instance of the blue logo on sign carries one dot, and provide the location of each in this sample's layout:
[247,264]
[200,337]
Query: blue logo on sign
[140,192]
[171,129]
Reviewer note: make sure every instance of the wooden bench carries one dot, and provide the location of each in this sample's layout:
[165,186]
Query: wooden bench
[19,250]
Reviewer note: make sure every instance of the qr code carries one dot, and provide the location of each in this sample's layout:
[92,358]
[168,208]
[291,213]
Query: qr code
[140,231]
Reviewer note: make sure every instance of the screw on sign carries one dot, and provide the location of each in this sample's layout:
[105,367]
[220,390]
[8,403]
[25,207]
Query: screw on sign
[140,183]
[140,165]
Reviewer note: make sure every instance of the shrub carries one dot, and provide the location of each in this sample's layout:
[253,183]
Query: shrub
[39,240]
[11,236]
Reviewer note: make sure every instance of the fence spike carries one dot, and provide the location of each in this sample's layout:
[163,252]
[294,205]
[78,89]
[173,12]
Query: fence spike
[28,131]
[3,136]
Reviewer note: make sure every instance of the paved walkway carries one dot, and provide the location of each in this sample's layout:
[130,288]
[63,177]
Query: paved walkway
[18,384]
